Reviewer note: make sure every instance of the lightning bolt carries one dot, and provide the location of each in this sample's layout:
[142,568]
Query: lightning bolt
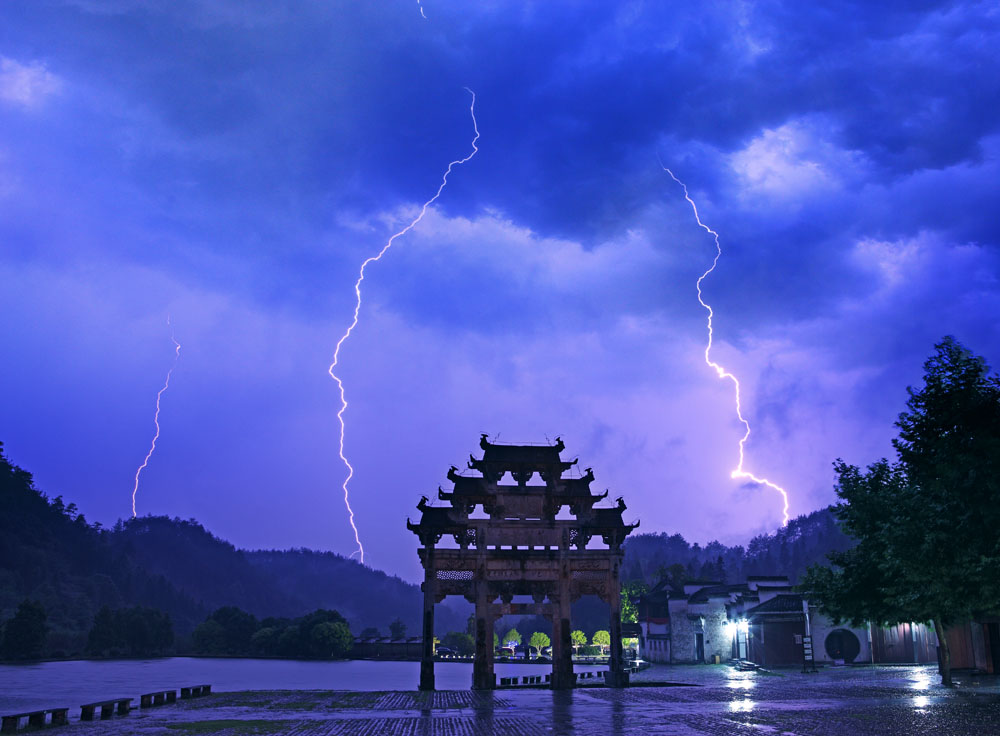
[739,472]
[422,14]
[357,309]
[156,416]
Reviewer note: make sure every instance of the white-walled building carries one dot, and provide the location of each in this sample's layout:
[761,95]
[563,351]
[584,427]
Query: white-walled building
[763,620]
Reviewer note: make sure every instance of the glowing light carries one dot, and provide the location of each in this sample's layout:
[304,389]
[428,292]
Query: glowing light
[422,14]
[739,472]
[357,310]
[921,679]
[741,706]
[156,415]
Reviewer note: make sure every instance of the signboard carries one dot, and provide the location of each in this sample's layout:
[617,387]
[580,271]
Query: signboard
[807,649]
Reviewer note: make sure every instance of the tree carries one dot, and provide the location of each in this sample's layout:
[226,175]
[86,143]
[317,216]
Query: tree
[143,632]
[461,642]
[539,641]
[630,591]
[602,639]
[370,632]
[265,641]
[397,629]
[675,574]
[209,637]
[496,641]
[238,626]
[512,638]
[103,635]
[330,639]
[926,524]
[578,638]
[24,635]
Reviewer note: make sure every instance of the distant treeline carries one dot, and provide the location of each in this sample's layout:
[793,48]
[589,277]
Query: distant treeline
[318,635]
[805,541]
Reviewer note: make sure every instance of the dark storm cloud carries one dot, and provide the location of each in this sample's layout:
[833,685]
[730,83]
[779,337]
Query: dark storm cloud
[233,163]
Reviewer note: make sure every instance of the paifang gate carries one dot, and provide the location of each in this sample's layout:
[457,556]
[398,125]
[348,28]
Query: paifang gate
[521,550]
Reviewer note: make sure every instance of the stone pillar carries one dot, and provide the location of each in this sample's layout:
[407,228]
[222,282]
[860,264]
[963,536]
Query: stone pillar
[562,644]
[427,649]
[483,677]
[617,676]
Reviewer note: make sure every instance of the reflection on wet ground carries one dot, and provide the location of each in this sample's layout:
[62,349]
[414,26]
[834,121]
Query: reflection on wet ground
[714,700]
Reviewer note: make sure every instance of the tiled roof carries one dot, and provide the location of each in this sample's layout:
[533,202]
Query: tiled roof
[715,591]
[784,603]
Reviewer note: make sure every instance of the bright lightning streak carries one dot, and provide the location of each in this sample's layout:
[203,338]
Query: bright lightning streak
[422,14]
[357,309]
[156,416]
[739,472]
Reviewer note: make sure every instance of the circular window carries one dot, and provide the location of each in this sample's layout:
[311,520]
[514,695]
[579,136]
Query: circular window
[842,644]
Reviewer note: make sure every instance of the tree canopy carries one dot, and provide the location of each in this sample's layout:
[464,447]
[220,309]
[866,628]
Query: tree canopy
[322,634]
[24,634]
[397,629]
[135,632]
[539,641]
[926,524]
[461,642]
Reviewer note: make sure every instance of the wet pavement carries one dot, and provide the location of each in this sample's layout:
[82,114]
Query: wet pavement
[698,700]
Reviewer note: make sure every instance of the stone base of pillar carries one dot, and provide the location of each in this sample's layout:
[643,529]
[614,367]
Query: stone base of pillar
[483,677]
[484,681]
[562,655]
[617,679]
[427,675]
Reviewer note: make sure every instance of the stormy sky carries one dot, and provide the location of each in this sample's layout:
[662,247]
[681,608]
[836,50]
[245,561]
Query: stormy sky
[231,163]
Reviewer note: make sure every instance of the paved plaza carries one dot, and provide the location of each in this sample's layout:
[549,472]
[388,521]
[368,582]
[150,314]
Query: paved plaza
[699,700]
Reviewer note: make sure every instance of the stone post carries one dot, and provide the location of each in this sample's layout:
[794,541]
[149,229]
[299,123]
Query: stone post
[562,644]
[618,678]
[427,649]
[483,677]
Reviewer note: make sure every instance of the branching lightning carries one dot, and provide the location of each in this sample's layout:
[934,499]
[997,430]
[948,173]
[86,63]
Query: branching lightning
[156,416]
[739,472]
[357,309]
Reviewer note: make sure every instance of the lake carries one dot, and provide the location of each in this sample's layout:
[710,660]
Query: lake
[57,684]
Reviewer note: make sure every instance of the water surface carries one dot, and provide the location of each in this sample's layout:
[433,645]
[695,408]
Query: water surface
[59,684]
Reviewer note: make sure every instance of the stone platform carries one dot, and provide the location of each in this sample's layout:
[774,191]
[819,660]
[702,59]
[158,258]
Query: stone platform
[897,701]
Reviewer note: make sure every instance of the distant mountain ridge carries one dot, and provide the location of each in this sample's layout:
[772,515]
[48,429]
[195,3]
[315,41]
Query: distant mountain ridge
[50,553]
[805,540]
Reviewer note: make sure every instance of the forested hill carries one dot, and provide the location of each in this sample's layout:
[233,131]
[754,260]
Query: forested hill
[806,540]
[50,553]
[365,597]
